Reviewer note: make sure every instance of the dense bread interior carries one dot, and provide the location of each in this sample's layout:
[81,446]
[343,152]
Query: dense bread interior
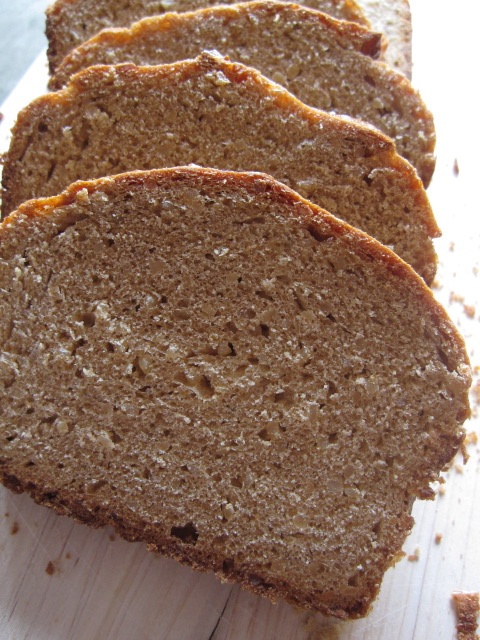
[324,62]
[218,114]
[71,22]
[214,366]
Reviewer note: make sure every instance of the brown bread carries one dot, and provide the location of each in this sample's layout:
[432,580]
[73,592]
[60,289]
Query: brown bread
[71,22]
[212,112]
[326,63]
[213,365]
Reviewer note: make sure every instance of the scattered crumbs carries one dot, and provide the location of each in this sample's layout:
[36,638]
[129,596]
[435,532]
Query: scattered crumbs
[438,538]
[415,556]
[68,555]
[452,246]
[441,490]
[111,537]
[456,297]
[471,438]
[458,467]
[456,169]
[6,514]
[15,528]
[467,607]
[436,284]
[319,629]
[469,310]
[476,392]
[50,568]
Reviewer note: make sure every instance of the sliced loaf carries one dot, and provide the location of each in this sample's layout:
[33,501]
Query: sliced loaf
[213,365]
[215,113]
[71,22]
[326,63]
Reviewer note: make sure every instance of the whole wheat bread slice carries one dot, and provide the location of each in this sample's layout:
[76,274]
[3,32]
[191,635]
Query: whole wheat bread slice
[212,112]
[213,365]
[71,22]
[326,63]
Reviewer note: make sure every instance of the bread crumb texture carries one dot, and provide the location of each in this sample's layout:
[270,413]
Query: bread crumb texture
[467,607]
[212,365]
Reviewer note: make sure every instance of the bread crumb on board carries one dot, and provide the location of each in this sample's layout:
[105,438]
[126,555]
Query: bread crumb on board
[475,390]
[415,556]
[469,310]
[438,538]
[456,168]
[467,607]
[318,629]
[471,438]
[15,528]
[50,568]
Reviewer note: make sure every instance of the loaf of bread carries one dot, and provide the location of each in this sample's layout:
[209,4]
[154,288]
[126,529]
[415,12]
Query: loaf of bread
[326,63]
[71,22]
[215,113]
[211,364]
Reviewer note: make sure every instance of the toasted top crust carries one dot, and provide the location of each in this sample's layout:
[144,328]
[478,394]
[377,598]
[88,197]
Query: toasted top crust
[71,22]
[282,41]
[217,367]
[212,112]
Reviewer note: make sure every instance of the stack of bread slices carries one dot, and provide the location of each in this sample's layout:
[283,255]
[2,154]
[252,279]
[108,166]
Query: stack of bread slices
[216,329]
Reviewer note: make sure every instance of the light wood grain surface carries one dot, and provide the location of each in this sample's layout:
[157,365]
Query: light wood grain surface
[60,580]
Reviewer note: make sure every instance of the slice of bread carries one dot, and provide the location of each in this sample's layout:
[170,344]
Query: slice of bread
[213,365]
[326,63]
[215,113]
[71,22]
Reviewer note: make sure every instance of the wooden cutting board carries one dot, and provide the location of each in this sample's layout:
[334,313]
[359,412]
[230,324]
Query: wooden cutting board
[63,581]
